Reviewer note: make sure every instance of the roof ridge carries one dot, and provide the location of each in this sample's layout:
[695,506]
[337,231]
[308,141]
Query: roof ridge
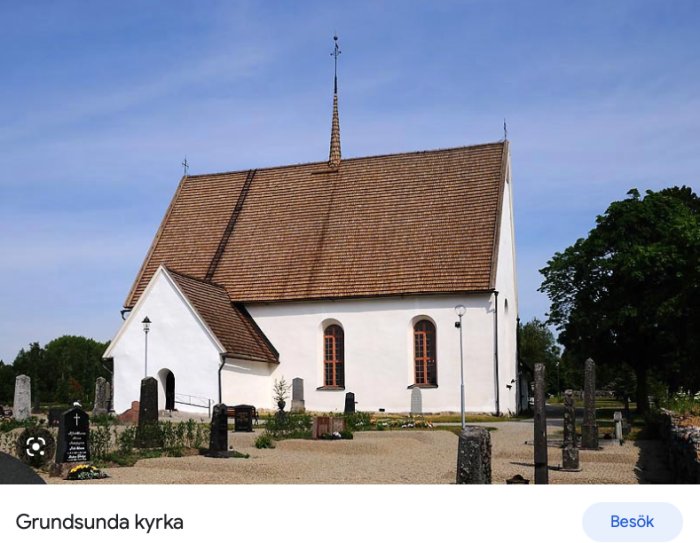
[324,164]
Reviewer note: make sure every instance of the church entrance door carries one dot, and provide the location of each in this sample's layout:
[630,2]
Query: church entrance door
[170,391]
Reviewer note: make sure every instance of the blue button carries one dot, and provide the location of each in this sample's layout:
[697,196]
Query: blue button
[632,521]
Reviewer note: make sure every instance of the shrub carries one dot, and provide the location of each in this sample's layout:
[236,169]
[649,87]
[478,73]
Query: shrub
[100,441]
[289,426]
[126,440]
[358,421]
[264,441]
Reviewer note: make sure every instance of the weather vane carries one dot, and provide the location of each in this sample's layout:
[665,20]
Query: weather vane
[505,130]
[334,54]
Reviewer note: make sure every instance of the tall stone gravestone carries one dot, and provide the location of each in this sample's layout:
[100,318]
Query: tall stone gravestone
[569,453]
[101,397]
[218,435]
[589,429]
[541,469]
[474,456]
[298,395]
[416,402]
[22,408]
[73,437]
[147,431]
[108,396]
[349,402]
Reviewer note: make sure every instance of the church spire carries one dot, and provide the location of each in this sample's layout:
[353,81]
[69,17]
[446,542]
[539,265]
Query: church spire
[334,155]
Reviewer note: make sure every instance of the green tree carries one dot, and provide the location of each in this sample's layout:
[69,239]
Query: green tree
[629,294]
[536,344]
[64,370]
[7,382]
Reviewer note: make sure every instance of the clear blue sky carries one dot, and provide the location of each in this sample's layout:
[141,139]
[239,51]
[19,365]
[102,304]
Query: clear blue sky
[100,102]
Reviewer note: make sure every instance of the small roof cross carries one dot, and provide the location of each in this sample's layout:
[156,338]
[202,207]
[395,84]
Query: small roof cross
[186,166]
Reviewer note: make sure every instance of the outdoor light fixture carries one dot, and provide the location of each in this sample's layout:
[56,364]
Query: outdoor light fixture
[461,310]
[146,327]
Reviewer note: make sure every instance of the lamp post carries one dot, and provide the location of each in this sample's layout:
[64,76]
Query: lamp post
[461,310]
[146,327]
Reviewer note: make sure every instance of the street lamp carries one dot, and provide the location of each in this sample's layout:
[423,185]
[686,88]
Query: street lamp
[146,327]
[461,310]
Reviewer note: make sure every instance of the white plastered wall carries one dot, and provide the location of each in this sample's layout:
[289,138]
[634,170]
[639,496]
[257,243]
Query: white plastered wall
[178,340]
[379,351]
[506,285]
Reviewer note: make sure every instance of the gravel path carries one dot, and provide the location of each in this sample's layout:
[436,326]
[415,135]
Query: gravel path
[415,457]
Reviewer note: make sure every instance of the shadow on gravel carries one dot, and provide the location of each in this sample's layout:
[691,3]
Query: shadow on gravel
[651,468]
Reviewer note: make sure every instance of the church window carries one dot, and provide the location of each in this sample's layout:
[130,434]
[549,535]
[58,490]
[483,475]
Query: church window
[334,356]
[424,353]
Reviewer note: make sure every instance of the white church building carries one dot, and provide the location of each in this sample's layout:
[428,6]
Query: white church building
[346,273]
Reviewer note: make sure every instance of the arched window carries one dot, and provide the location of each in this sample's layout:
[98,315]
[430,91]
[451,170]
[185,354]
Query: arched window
[424,353]
[333,356]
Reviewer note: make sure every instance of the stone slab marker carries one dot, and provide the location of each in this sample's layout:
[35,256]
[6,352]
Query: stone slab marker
[22,407]
[146,435]
[569,453]
[474,457]
[617,418]
[218,437]
[541,469]
[101,397]
[298,395]
[416,402]
[589,428]
[350,402]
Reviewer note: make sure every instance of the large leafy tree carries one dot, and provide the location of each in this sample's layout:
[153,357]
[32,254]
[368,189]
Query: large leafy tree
[536,344]
[629,294]
[64,370]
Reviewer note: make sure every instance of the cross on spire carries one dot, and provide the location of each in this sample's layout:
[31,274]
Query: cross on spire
[334,54]
[334,155]
[186,166]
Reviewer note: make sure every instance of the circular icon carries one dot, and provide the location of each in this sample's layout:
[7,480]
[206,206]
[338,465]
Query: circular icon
[36,447]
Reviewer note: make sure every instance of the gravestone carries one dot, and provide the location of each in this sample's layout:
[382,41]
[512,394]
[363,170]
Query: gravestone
[73,437]
[108,396]
[569,453]
[218,436]
[589,428]
[349,402]
[147,435]
[15,472]
[244,415]
[617,418]
[22,408]
[474,456]
[541,469]
[416,402]
[101,398]
[298,395]
[36,447]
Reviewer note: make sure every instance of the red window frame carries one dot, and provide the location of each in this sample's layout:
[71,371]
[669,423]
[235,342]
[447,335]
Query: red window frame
[425,353]
[334,356]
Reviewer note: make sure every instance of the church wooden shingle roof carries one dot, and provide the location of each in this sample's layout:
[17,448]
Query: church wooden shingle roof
[410,223]
[230,323]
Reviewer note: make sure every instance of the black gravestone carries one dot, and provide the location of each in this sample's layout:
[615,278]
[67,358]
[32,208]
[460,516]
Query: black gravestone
[73,437]
[349,402]
[218,435]
[147,435]
[244,418]
[14,472]
[36,447]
